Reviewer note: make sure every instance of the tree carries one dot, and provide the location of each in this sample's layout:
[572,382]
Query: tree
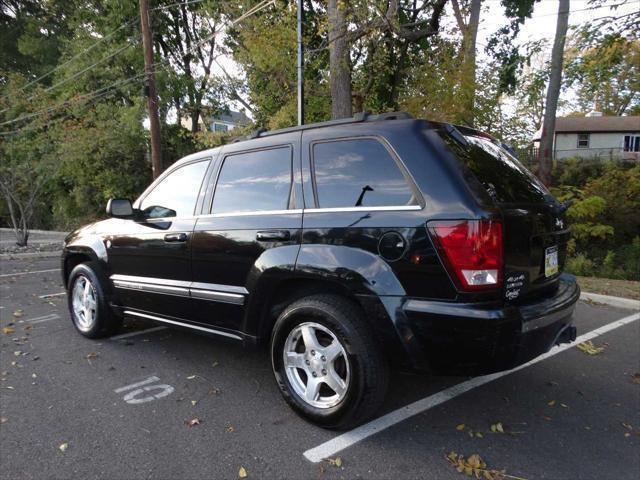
[604,69]
[25,155]
[339,60]
[553,92]
[469,28]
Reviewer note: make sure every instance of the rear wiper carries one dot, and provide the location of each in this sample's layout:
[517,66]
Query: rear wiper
[456,135]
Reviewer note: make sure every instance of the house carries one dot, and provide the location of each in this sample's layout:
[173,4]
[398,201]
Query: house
[222,122]
[596,136]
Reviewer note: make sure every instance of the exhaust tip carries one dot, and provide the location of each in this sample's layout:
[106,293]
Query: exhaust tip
[568,335]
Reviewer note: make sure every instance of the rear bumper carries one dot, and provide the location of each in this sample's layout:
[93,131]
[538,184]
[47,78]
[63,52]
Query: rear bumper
[477,339]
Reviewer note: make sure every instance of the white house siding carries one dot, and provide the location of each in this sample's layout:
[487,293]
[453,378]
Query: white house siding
[601,145]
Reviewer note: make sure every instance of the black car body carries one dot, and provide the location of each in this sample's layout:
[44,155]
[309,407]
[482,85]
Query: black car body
[449,251]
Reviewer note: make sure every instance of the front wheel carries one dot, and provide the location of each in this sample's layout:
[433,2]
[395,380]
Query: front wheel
[88,306]
[327,364]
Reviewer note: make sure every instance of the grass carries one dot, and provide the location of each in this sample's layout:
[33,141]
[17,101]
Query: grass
[606,286]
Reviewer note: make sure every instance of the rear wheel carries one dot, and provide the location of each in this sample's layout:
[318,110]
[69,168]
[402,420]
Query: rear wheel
[326,362]
[90,313]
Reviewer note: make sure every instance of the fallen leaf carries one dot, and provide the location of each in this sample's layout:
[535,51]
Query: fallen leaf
[8,330]
[546,418]
[589,348]
[460,427]
[63,447]
[242,473]
[214,364]
[193,422]
[479,435]
[91,355]
[563,405]
[3,419]
[18,313]
[627,426]
[551,403]
[194,402]
[497,428]
[336,462]
[636,378]
[229,429]
[191,377]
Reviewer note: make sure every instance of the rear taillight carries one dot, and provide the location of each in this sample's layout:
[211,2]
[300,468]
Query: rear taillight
[471,250]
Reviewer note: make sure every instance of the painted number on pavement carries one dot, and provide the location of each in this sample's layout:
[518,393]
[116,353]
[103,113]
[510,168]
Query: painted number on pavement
[145,391]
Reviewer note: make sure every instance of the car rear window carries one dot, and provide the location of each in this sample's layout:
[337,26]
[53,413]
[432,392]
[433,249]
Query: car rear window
[501,174]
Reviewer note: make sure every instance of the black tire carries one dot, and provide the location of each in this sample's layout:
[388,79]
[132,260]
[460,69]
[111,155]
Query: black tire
[104,321]
[369,371]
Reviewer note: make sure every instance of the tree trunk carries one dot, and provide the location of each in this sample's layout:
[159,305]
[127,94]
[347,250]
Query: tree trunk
[469,29]
[339,61]
[553,92]
[470,60]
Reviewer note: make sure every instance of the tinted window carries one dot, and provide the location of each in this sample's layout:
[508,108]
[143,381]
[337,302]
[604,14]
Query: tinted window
[176,194]
[501,174]
[254,181]
[354,173]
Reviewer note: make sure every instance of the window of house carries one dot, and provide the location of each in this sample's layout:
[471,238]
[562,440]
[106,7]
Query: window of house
[632,143]
[254,181]
[358,173]
[583,140]
[176,194]
[220,127]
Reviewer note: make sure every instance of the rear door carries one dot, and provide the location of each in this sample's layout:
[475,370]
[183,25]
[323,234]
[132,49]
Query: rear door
[252,227]
[535,229]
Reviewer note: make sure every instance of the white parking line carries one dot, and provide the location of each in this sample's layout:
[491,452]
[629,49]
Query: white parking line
[50,295]
[27,273]
[139,332]
[43,318]
[354,436]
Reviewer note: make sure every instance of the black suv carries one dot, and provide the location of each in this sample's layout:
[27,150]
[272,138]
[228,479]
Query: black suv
[348,247]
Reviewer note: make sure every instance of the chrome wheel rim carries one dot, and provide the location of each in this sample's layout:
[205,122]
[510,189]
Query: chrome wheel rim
[316,365]
[84,303]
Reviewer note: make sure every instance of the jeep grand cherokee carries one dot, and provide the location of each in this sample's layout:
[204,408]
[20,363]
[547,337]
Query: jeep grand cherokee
[348,247]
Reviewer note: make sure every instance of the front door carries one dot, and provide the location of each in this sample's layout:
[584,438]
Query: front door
[253,229]
[150,257]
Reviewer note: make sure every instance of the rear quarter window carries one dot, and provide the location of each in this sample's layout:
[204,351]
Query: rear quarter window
[359,173]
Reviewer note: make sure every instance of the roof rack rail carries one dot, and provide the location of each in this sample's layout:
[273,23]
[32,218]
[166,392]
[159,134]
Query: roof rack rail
[357,118]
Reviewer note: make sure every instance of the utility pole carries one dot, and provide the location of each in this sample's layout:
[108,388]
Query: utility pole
[300,67]
[150,84]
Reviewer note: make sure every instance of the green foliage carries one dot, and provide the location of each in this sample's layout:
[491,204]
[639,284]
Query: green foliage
[604,217]
[604,68]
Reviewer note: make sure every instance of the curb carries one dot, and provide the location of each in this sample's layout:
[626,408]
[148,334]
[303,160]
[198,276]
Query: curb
[20,256]
[618,302]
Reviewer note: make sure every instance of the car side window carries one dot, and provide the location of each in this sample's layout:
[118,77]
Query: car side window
[358,173]
[176,194]
[254,181]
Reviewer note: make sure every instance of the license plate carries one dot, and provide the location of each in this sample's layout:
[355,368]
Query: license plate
[551,261]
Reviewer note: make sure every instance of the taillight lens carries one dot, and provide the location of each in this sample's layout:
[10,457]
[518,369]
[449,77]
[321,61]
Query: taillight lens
[472,250]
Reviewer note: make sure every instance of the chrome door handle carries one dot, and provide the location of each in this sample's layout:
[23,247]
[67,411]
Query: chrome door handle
[175,237]
[273,235]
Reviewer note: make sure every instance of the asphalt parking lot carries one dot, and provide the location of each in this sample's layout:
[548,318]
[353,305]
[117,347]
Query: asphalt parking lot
[121,408]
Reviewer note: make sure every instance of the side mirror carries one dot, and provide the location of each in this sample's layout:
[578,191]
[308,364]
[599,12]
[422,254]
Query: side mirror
[119,208]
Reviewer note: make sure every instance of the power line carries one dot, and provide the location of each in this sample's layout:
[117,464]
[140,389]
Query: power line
[78,55]
[260,6]
[66,103]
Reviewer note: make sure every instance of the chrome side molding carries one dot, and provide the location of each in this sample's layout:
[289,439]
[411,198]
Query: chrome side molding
[180,288]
